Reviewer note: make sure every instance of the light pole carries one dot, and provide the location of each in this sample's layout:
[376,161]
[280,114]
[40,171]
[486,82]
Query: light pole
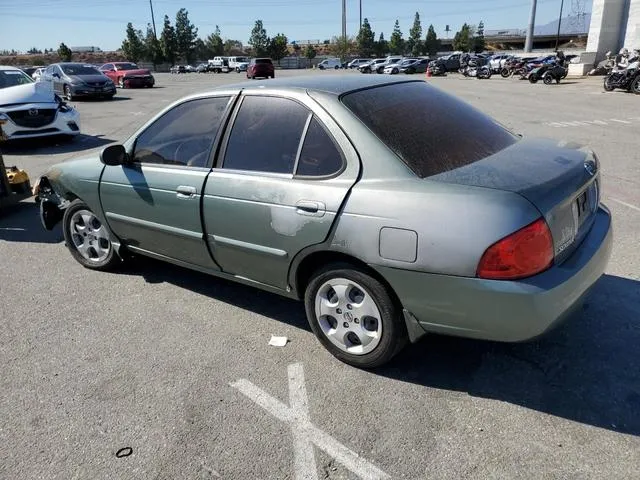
[344,19]
[559,23]
[528,45]
[153,20]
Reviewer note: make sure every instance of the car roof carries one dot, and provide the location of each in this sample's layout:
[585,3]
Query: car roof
[336,84]
[9,67]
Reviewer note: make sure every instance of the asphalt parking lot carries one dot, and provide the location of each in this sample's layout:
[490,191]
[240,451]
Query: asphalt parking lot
[176,366]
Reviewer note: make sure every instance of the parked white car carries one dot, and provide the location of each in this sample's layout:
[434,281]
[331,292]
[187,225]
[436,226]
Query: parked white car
[329,63]
[31,109]
[496,62]
[358,62]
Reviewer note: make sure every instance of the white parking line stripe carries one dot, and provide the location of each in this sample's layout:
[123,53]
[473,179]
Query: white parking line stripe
[306,434]
[304,459]
[633,207]
[619,121]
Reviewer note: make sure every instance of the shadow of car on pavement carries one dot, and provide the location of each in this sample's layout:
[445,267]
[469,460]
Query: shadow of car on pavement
[587,370]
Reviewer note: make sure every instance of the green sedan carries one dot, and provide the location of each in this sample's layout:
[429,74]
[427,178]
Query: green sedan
[387,225]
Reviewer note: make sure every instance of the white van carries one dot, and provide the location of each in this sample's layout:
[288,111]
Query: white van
[239,64]
[330,63]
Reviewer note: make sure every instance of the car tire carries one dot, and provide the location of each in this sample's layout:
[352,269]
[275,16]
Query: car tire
[88,241]
[67,92]
[371,294]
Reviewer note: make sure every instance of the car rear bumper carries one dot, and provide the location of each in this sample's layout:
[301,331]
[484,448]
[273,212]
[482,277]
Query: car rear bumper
[507,311]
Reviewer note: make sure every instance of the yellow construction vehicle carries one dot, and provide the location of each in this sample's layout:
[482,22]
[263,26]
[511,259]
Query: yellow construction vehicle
[15,184]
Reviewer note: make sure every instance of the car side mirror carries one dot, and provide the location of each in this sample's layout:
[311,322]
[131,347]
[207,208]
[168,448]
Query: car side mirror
[114,155]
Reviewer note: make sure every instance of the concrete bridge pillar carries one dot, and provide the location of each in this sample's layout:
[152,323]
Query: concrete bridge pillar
[614,24]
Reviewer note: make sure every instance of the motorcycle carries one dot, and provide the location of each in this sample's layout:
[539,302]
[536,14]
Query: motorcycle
[475,70]
[548,73]
[625,79]
[437,69]
[510,67]
[604,67]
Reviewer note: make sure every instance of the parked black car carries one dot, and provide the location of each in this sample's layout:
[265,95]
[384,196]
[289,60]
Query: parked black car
[72,80]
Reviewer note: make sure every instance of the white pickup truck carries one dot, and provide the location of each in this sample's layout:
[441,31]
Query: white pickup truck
[219,65]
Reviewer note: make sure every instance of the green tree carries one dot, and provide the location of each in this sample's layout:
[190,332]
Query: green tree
[396,42]
[168,41]
[200,51]
[153,50]
[414,43]
[133,46]
[366,40]
[214,43]
[431,43]
[341,47]
[186,35]
[233,47]
[278,47]
[463,39]
[259,40]
[33,51]
[64,53]
[381,46]
[479,43]
[310,52]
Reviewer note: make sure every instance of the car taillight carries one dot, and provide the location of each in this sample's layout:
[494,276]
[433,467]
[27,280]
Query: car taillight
[522,254]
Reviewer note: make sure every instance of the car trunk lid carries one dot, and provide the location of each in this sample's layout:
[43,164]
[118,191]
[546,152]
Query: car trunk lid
[561,181]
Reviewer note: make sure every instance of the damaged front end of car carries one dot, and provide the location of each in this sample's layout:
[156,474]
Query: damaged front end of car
[52,204]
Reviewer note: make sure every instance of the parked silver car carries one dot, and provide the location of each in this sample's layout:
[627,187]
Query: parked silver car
[387,225]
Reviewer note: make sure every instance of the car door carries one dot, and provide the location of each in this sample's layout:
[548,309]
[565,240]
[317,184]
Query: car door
[281,178]
[152,203]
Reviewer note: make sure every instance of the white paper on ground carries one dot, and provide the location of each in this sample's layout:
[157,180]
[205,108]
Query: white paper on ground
[278,341]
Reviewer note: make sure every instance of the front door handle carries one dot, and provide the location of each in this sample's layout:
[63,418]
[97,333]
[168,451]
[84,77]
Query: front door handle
[310,208]
[184,191]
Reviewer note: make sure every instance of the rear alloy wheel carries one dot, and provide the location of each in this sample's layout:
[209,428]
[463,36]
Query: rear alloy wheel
[87,238]
[67,92]
[354,317]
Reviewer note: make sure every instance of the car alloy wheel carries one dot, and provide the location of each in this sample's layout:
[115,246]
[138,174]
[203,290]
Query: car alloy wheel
[87,238]
[354,316]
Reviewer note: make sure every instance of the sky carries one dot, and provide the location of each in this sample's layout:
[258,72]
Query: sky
[46,23]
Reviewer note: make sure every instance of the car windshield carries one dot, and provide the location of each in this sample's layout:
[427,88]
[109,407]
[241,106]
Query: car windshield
[241,59]
[442,133]
[126,66]
[11,78]
[79,70]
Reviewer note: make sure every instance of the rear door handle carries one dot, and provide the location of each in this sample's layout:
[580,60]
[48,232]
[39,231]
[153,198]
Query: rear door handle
[310,208]
[184,191]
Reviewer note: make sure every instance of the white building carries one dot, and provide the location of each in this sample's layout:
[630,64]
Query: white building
[614,24]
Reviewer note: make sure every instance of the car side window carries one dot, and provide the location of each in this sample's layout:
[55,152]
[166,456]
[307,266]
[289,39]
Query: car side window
[183,135]
[266,135]
[319,156]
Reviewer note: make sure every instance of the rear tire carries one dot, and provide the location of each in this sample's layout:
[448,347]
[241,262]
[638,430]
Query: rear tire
[382,337]
[87,239]
[635,86]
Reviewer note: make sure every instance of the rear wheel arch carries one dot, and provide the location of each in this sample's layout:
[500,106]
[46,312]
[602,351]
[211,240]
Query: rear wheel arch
[314,261]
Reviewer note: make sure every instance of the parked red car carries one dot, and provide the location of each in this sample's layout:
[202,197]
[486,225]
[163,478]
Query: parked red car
[261,67]
[127,75]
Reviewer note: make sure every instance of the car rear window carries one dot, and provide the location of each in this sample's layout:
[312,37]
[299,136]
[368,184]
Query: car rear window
[263,60]
[431,131]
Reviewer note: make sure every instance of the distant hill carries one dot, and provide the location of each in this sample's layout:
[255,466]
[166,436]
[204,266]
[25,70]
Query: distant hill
[571,25]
